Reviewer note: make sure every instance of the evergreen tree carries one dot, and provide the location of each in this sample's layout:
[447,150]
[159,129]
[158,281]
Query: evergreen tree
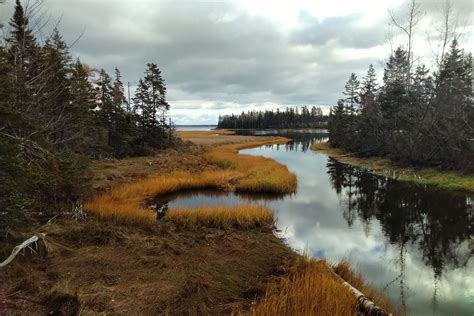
[369,127]
[23,58]
[85,126]
[338,125]
[150,102]
[352,94]
[454,108]
[55,98]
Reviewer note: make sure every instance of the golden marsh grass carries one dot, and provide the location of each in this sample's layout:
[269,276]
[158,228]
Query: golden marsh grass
[311,288]
[239,216]
[125,203]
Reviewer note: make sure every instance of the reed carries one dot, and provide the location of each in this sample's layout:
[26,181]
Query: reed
[239,216]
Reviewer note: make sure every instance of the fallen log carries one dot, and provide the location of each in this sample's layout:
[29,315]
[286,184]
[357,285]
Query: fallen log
[26,244]
[366,306]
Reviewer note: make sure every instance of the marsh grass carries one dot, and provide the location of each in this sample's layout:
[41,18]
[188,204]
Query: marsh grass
[449,180]
[311,288]
[125,203]
[239,216]
[258,174]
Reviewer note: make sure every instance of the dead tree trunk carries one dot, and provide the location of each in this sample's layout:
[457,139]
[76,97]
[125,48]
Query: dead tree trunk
[32,241]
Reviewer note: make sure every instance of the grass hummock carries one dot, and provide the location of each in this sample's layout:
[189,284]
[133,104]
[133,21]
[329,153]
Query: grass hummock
[450,180]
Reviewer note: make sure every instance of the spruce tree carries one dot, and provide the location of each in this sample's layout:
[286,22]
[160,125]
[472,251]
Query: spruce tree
[23,58]
[454,107]
[352,94]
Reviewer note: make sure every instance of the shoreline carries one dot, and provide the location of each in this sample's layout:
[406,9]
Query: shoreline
[247,268]
[449,180]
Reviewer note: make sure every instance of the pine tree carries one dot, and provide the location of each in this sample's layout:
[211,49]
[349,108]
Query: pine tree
[55,97]
[338,125]
[84,126]
[105,104]
[119,91]
[352,94]
[369,125]
[157,93]
[369,89]
[454,107]
[23,58]
[150,101]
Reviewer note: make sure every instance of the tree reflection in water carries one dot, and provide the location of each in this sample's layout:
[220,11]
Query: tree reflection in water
[432,220]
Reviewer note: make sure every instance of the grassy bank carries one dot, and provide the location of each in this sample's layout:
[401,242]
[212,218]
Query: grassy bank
[216,260]
[449,180]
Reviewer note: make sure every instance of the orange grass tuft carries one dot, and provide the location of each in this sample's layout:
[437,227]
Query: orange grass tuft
[311,290]
[239,216]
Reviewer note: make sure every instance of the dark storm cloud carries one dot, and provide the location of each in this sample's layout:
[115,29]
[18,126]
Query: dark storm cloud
[216,56]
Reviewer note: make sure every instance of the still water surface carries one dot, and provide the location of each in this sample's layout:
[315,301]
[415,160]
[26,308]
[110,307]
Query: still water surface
[413,241]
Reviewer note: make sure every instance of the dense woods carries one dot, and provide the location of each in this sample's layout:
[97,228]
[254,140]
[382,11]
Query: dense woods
[57,112]
[414,116]
[292,117]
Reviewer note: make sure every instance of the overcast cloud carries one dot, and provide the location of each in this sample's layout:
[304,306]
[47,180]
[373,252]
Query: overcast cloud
[220,57]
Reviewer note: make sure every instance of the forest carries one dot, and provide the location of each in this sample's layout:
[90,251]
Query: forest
[58,113]
[414,116]
[291,117]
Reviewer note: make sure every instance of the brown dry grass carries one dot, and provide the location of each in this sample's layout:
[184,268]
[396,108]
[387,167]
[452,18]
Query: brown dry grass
[112,172]
[122,270]
[215,138]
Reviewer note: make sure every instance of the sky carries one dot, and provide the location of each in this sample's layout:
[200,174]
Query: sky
[222,57]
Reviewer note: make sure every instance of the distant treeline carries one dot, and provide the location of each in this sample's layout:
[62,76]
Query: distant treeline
[292,117]
[56,111]
[413,116]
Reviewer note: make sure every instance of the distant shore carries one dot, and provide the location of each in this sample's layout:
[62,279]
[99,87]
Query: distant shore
[449,180]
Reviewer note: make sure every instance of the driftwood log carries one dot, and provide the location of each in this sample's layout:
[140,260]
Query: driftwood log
[31,243]
[365,305]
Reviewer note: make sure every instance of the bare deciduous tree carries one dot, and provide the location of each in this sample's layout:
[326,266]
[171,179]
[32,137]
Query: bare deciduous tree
[447,30]
[407,26]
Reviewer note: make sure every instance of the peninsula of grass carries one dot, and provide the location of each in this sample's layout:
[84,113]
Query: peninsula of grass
[450,180]
[127,202]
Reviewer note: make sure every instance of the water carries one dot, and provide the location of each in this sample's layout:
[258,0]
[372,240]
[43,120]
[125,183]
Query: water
[195,127]
[414,241]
